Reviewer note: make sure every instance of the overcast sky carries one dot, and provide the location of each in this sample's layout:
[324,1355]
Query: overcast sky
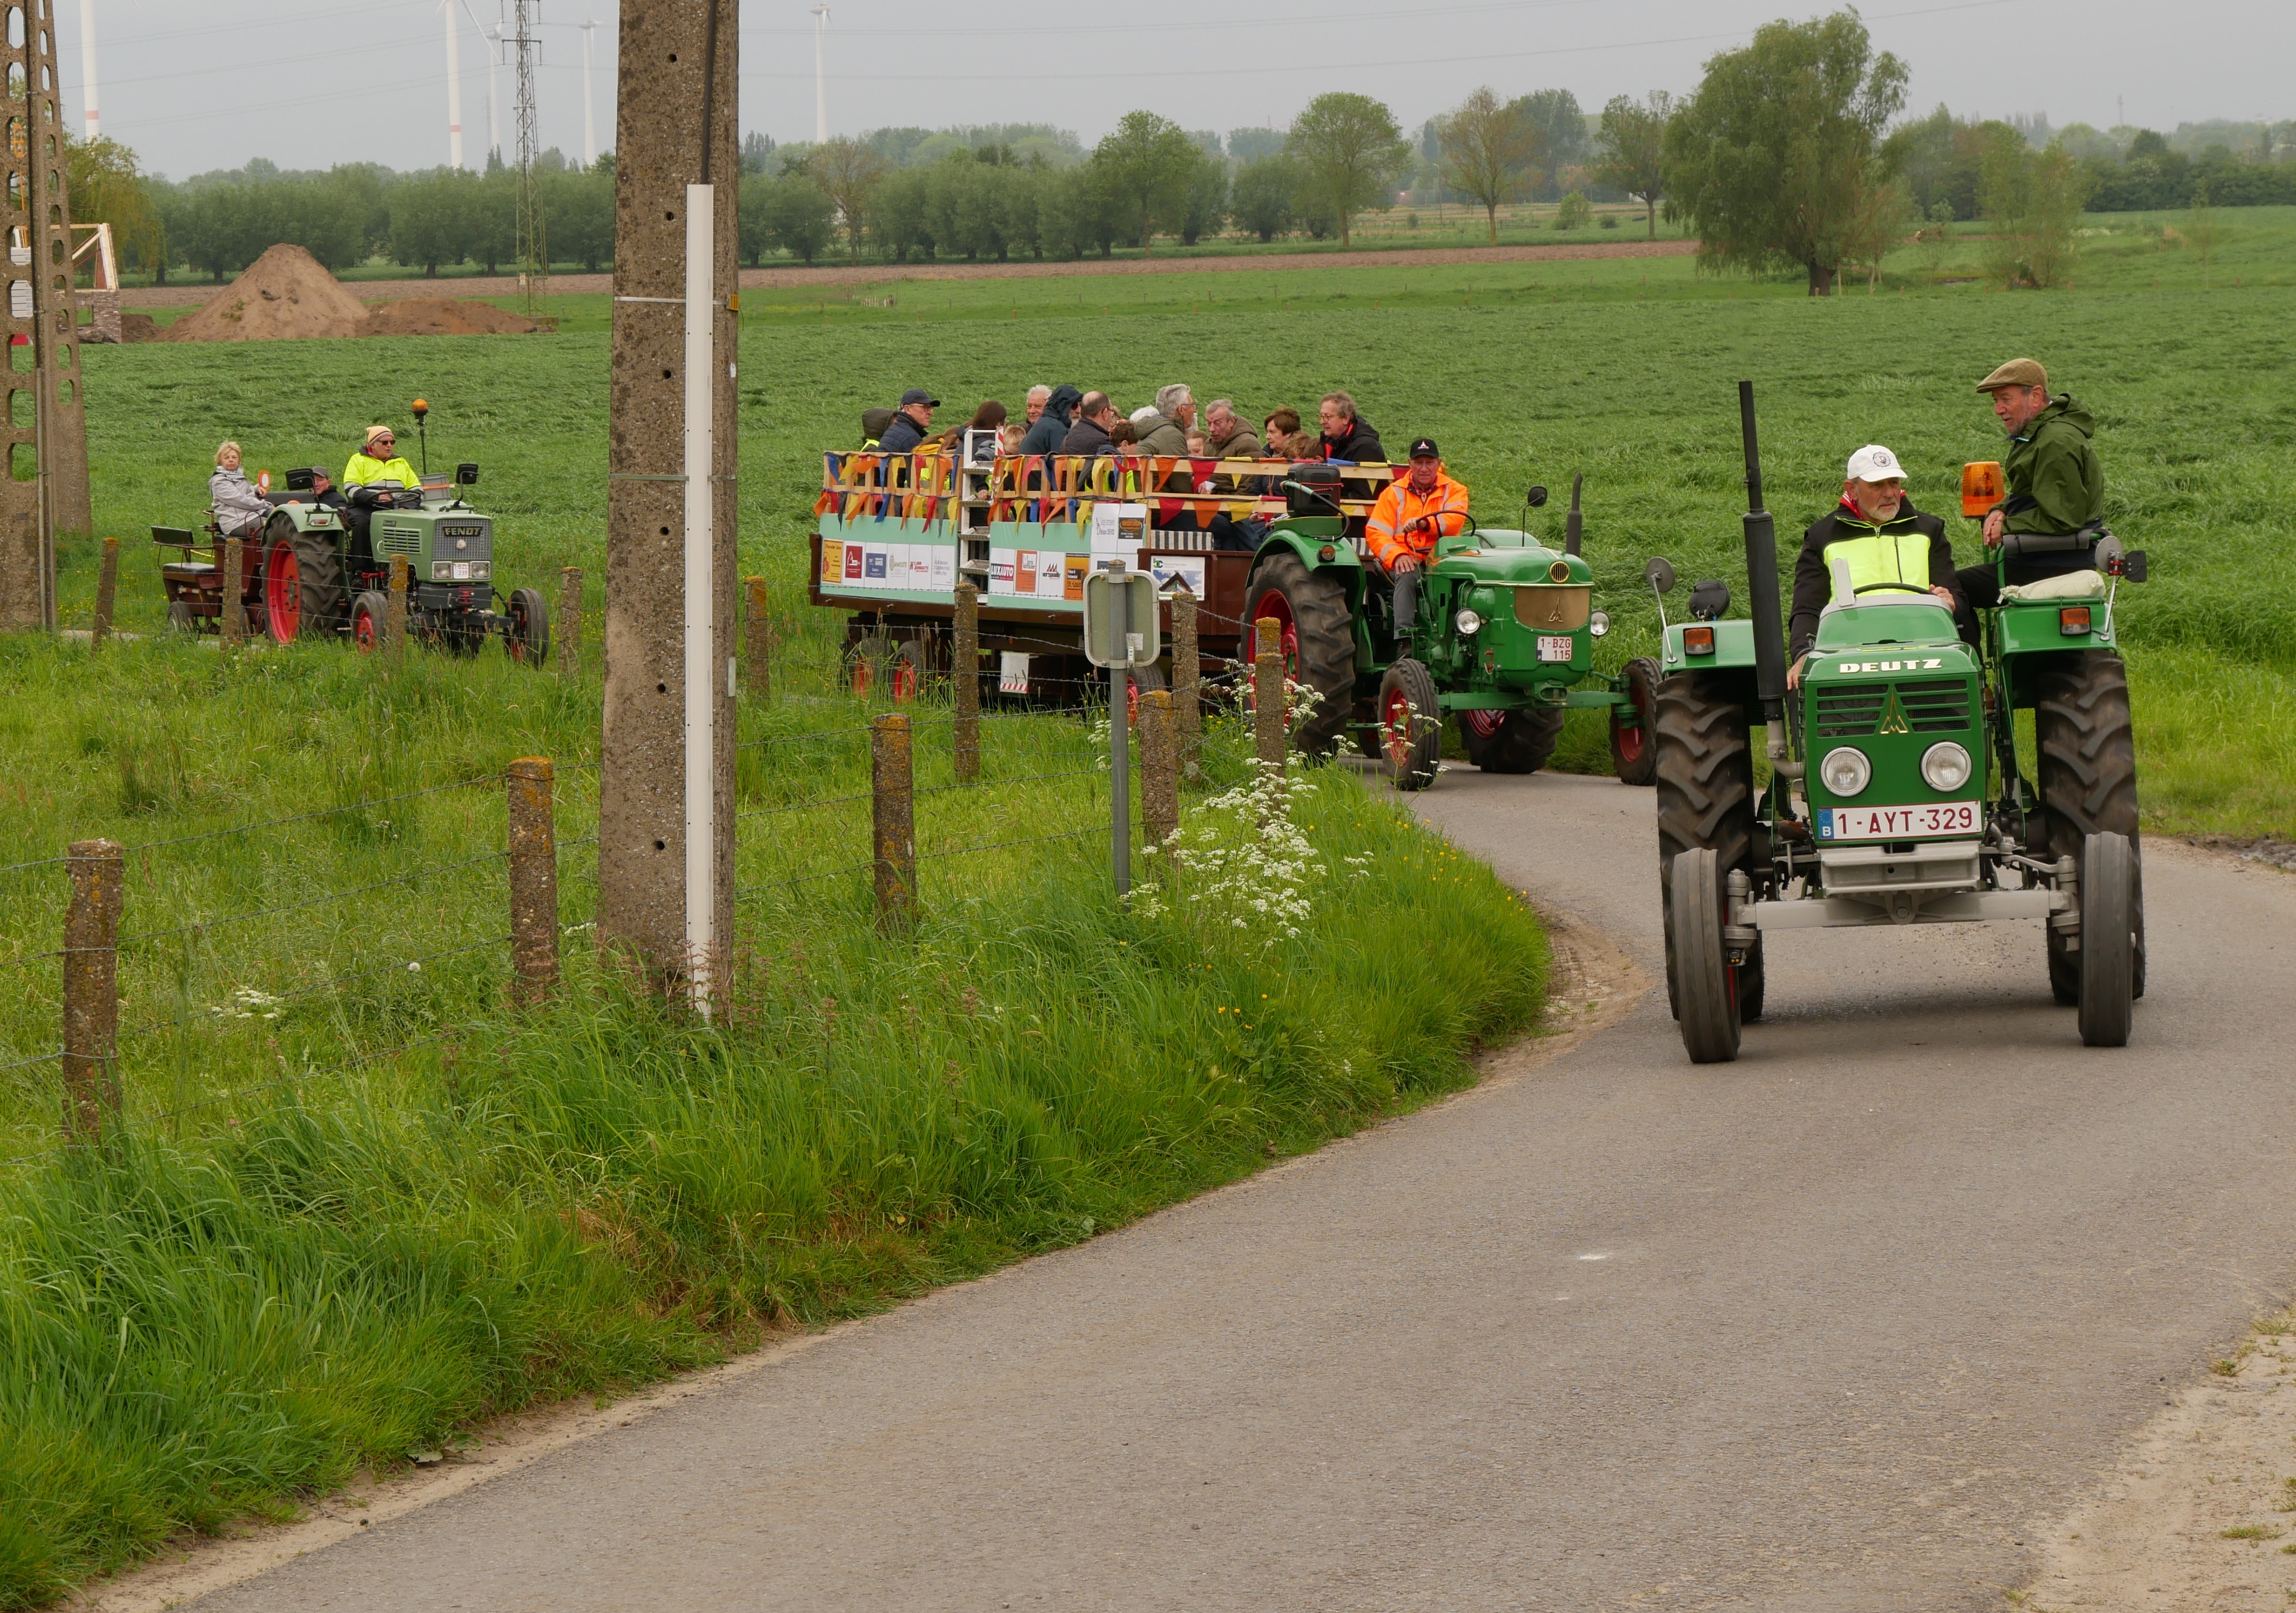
[213,83]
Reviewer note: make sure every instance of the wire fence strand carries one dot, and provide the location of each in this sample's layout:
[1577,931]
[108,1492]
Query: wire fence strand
[334,895]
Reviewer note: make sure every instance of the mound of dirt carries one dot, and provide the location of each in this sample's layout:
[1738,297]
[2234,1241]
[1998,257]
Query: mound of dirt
[446,316]
[138,327]
[284,294]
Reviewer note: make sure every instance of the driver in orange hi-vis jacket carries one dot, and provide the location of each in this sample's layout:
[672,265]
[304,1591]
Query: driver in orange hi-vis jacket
[1418,507]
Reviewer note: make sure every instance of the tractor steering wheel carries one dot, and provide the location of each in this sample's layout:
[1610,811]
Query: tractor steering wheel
[1891,588]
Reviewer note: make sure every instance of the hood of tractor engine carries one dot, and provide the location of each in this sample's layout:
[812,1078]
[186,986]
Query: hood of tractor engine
[440,545]
[1892,704]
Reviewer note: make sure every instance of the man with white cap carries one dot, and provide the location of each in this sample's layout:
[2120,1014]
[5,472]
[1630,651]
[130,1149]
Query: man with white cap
[1871,545]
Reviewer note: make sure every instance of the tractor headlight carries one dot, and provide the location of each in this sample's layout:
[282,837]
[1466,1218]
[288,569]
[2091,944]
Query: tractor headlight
[1946,765]
[1468,622]
[1598,624]
[1845,770]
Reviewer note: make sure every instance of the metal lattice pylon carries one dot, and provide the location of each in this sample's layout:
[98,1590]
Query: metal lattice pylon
[533,240]
[44,483]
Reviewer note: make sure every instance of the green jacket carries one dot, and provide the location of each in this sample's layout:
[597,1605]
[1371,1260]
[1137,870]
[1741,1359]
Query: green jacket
[2057,482]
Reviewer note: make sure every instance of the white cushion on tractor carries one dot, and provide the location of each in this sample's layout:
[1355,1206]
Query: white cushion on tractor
[2072,584]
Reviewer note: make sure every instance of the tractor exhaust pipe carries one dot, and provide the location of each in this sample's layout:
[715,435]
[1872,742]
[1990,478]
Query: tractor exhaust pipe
[1574,526]
[1762,587]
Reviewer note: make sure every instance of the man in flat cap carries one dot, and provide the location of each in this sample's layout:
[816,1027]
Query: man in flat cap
[2056,486]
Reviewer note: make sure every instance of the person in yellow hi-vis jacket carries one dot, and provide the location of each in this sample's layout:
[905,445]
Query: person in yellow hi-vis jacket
[1874,545]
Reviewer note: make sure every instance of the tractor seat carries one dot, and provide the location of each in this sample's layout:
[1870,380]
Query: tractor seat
[186,568]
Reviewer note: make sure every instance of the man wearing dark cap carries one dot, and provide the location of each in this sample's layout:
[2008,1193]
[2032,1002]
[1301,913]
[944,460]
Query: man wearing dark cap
[1413,511]
[912,423]
[2056,486]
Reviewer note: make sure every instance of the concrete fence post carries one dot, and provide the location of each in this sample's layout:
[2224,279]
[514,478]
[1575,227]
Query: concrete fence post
[757,645]
[1187,681]
[1160,770]
[533,882]
[234,607]
[92,988]
[394,616]
[892,811]
[1267,693]
[107,585]
[965,685]
[569,622]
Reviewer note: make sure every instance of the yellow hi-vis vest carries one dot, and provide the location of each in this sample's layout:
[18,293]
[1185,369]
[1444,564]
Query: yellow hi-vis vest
[1879,563]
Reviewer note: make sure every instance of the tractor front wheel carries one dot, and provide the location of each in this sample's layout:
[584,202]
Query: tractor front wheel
[1411,724]
[1319,639]
[1520,741]
[1705,985]
[370,612]
[1634,750]
[2108,948]
[527,638]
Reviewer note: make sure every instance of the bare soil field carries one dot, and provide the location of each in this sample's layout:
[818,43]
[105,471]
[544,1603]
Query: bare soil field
[869,273]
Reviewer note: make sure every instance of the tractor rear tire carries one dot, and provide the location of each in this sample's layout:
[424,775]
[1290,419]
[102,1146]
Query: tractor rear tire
[2108,948]
[321,606]
[1521,744]
[527,640]
[1319,641]
[1634,751]
[370,614]
[1411,724]
[2087,781]
[1705,773]
[1707,985]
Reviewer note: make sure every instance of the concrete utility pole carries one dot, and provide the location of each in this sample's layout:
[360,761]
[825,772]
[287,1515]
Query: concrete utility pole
[453,82]
[533,241]
[87,70]
[589,96]
[820,78]
[46,442]
[665,789]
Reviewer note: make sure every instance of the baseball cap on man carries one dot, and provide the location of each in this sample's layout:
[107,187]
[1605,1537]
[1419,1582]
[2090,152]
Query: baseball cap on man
[1874,462]
[918,395]
[1424,448]
[2016,372]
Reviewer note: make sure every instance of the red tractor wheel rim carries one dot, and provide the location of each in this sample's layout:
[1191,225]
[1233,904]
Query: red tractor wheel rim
[363,633]
[905,683]
[1630,744]
[1395,722]
[283,592]
[862,678]
[514,641]
[1485,724]
[1272,603]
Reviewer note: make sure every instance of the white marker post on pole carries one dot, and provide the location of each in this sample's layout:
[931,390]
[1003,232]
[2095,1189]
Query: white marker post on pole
[700,593]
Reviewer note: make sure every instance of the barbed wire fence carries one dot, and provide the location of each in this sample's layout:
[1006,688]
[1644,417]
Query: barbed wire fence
[509,894]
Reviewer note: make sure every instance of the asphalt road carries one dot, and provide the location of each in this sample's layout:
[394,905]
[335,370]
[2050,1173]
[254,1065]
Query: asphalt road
[1832,1328]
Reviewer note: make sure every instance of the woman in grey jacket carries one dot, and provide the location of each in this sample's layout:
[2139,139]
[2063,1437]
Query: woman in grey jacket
[240,507]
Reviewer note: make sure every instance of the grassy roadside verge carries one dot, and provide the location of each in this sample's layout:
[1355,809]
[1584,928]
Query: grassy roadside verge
[240,1308]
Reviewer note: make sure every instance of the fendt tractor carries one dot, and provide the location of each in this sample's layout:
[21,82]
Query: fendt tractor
[1503,635]
[1897,792]
[307,573]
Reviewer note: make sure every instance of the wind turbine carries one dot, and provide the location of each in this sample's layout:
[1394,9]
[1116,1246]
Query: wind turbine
[87,66]
[820,83]
[453,82]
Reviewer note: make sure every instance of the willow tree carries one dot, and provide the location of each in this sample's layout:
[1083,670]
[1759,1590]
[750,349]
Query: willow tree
[1776,156]
[1350,150]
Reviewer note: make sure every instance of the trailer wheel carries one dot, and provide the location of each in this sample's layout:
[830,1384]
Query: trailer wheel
[1318,639]
[2108,948]
[1411,724]
[180,618]
[1634,751]
[369,612]
[2087,778]
[1705,983]
[526,639]
[1704,767]
[323,604]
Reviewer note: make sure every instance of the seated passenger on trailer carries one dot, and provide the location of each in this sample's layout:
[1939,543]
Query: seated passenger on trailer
[1872,544]
[240,507]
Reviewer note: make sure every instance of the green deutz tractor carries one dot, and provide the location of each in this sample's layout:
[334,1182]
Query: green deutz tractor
[1897,792]
[1501,640]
